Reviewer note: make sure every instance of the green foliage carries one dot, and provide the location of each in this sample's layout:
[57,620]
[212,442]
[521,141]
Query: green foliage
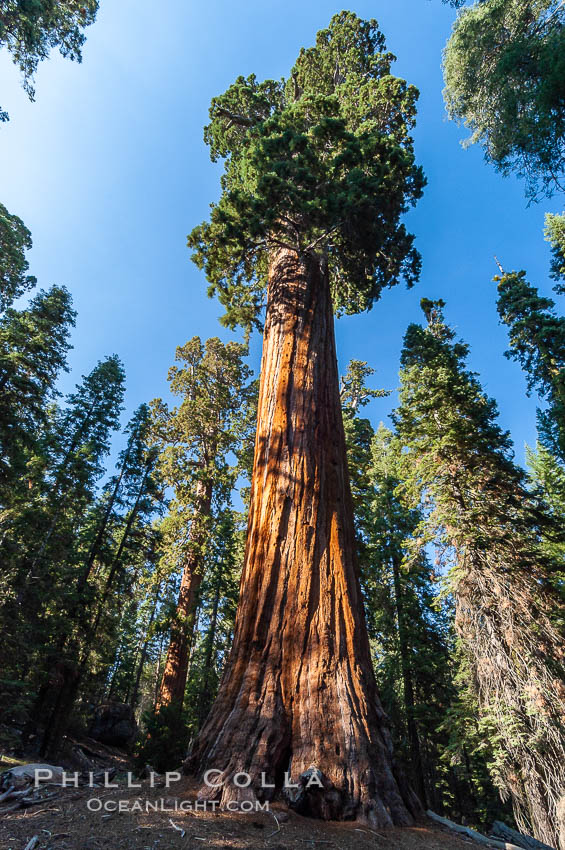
[322,162]
[537,342]
[353,392]
[33,351]
[218,600]
[547,479]
[469,735]
[555,235]
[504,69]
[509,616]
[212,382]
[15,239]
[29,29]
[199,440]
[166,739]
[47,529]
[410,625]
[70,549]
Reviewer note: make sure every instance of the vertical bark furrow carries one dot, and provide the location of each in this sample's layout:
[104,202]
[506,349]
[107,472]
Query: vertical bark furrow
[299,689]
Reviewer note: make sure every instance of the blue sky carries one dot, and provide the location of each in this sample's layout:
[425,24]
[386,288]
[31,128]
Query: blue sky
[109,171]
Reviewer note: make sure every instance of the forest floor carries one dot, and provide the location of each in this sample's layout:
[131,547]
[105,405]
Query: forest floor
[64,821]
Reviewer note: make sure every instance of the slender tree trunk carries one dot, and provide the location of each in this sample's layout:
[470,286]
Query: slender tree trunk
[95,548]
[176,666]
[408,685]
[205,696]
[70,682]
[144,648]
[55,489]
[299,689]
[158,670]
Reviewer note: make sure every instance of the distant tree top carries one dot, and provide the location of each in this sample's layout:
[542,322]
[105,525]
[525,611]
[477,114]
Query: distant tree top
[504,68]
[29,29]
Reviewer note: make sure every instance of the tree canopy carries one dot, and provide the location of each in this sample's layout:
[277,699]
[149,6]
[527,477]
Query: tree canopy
[29,29]
[509,616]
[555,235]
[504,69]
[320,161]
[15,240]
[537,342]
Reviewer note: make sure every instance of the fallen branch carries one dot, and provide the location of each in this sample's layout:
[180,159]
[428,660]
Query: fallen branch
[10,809]
[27,802]
[35,801]
[500,830]
[7,793]
[470,833]
[278,829]
[50,809]
[178,828]
[20,803]
[32,842]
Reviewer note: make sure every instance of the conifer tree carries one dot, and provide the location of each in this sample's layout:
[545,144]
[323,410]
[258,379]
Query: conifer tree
[547,478]
[109,555]
[505,80]
[29,29]
[131,482]
[79,444]
[168,731]
[218,606]
[15,239]
[409,630]
[555,235]
[75,441]
[318,170]
[33,351]
[508,617]
[537,342]
[195,441]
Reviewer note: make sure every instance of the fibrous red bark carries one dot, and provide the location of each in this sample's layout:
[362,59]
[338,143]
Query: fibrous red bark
[299,691]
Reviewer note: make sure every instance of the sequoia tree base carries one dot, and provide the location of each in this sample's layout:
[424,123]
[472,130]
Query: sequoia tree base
[297,714]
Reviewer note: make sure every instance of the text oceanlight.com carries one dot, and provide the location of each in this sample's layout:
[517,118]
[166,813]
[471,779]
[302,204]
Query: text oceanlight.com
[96,804]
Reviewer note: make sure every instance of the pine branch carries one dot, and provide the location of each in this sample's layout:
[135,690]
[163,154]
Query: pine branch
[240,120]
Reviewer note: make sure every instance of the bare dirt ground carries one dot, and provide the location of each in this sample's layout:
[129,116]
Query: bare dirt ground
[64,822]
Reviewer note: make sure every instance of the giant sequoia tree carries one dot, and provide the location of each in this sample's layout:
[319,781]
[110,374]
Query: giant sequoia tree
[318,171]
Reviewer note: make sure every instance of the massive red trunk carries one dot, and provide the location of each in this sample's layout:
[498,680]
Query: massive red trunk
[299,690]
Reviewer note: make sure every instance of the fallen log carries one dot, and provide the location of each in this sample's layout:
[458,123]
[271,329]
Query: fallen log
[25,802]
[471,833]
[500,830]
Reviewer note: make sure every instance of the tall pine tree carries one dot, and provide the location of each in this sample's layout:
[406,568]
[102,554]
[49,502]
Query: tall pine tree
[508,617]
[195,441]
[537,342]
